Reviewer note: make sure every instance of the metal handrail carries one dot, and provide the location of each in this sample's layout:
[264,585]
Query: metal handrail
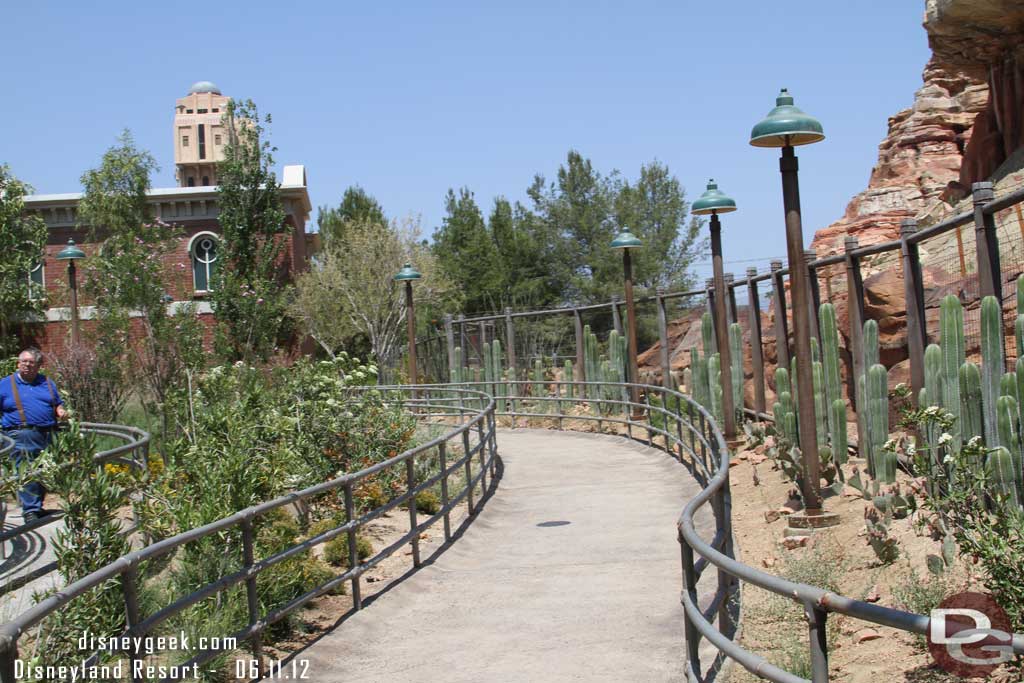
[698,555]
[476,411]
[6,444]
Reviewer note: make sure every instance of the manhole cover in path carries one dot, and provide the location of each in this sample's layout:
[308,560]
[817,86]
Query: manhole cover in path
[554,522]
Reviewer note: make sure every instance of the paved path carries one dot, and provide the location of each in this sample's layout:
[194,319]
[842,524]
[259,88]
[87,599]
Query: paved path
[28,565]
[519,598]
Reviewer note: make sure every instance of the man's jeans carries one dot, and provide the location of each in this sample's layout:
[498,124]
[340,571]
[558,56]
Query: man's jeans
[29,443]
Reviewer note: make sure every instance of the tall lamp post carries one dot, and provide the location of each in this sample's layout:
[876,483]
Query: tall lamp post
[626,241]
[786,126]
[407,275]
[71,253]
[714,202]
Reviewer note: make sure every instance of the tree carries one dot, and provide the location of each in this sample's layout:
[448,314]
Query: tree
[352,291]
[249,297]
[467,253]
[22,240]
[127,279]
[356,205]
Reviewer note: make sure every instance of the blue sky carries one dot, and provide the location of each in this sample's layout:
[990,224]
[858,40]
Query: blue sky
[408,99]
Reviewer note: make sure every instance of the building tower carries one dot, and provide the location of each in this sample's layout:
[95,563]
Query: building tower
[199,136]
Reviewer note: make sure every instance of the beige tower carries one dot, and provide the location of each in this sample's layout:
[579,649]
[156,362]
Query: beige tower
[199,136]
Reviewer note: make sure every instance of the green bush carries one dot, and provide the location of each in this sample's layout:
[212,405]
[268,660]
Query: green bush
[428,502]
[336,550]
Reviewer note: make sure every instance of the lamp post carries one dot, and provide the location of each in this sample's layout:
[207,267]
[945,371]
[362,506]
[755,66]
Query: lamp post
[407,275]
[71,253]
[714,202]
[626,241]
[786,126]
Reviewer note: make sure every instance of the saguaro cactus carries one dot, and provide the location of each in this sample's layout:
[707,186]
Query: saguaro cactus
[457,372]
[830,365]
[715,386]
[707,334]
[736,351]
[970,401]
[951,339]
[992,365]
[567,376]
[878,419]
[1004,475]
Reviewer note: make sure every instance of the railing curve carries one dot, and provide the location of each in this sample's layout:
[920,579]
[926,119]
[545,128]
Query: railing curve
[134,452]
[474,435]
[649,408]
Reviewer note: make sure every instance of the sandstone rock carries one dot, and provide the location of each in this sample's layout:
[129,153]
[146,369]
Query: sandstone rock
[772,516]
[794,542]
[769,562]
[873,595]
[865,635]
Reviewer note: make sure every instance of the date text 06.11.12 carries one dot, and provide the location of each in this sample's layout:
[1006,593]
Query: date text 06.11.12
[273,669]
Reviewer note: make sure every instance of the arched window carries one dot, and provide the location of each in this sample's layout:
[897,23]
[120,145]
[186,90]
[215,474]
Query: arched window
[204,261]
[36,283]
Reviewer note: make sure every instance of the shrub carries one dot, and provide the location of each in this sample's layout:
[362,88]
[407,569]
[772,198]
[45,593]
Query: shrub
[336,550]
[428,503]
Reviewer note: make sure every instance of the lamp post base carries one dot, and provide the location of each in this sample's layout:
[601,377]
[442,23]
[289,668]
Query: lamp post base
[806,522]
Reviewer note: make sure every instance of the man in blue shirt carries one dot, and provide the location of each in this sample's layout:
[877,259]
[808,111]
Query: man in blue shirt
[30,406]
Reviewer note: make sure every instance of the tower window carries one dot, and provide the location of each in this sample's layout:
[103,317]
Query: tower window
[206,180]
[191,181]
[215,110]
[202,141]
[188,111]
[216,139]
[184,141]
[200,111]
[204,262]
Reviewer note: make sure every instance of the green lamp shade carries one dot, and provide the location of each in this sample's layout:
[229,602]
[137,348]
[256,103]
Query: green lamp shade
[625,240]
[786,125]
[70,252]
[407,273]
[713,201]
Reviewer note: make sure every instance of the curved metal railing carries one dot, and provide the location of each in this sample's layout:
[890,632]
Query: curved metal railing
[465,453]
[134,452]
[695,433]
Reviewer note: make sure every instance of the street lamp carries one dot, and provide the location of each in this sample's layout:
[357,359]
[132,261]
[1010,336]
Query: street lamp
[786,126]
[71,253]
[407,275]
[714,202]
[626,241]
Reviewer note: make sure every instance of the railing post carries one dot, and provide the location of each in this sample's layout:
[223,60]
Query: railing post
[581,375]
[689,628]
[353,558]
[442,456]
[410,476]
[666,369]
[131,613]
[510,341]
[449,335]
[914,295]
[709,286]
[730,300]
[8,655]
[986,242]
[781,324]
[462,340]
[251,594]
[813,294]
[816,626]
[469,470]
[756,348]
[616,315]
[855,310]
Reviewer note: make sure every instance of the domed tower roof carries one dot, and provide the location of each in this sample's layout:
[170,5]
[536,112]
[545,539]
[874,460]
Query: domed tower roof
[204,86]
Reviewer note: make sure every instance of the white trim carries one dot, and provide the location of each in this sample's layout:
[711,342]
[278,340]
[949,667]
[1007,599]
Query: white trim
[63,313]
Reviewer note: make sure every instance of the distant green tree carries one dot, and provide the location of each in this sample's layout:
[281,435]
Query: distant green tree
[22,240]
[528,266]
[249,297]
[467,252]
[356,206]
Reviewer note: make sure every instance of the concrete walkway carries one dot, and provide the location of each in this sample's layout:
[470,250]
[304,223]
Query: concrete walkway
[571,572]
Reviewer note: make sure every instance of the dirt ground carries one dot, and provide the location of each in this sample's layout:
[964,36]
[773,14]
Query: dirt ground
[860,652]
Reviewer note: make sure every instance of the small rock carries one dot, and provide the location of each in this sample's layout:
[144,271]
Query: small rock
[372,579]
[757,458]
[873,595]
[794,542]
[769,562]
[733,462]
[864,635]
[772,516]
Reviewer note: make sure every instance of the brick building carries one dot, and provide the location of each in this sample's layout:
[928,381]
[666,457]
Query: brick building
[191,208]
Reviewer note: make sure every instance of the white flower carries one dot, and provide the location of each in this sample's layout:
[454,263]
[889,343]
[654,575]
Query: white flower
[931,411]
[945,438]
[911,449]
[948,459]
[900,387]
[889,445]
[974,442]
